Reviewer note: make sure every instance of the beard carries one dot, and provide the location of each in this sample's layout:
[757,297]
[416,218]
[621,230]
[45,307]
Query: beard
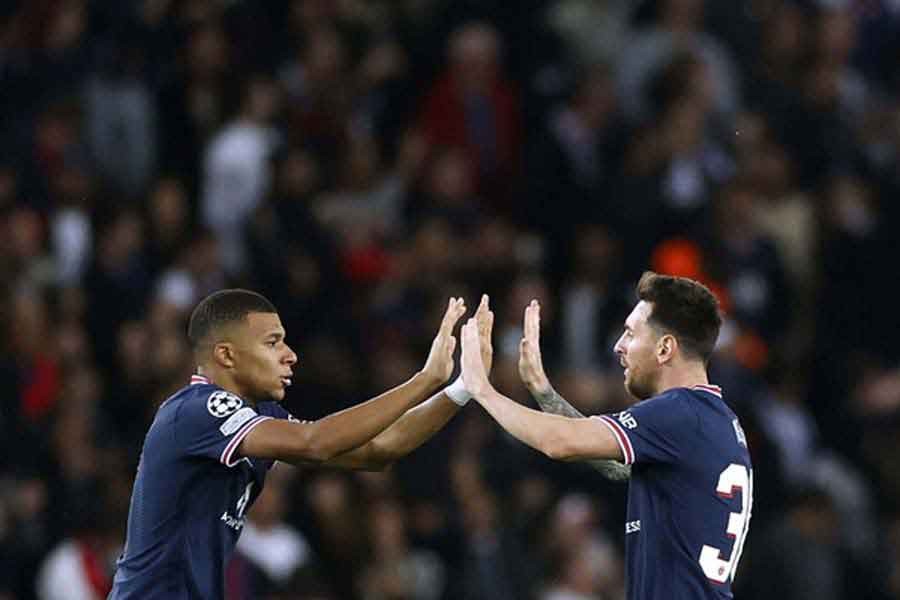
[641,387]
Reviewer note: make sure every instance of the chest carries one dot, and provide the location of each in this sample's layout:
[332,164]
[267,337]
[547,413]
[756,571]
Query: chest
[241,489]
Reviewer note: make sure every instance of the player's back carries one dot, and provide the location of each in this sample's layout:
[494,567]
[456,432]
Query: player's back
[189,496]
[690,494]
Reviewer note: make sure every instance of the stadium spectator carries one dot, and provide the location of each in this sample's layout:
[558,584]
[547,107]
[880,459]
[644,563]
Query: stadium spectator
[509,159]
[473,106]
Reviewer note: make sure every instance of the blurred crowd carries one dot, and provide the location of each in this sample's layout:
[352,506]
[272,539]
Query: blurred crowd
[359,161]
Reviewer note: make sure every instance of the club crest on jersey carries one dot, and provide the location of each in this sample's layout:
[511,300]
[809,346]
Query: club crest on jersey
[221,403]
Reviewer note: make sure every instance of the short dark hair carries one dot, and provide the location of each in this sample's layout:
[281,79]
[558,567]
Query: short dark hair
[684,308]
[222,308]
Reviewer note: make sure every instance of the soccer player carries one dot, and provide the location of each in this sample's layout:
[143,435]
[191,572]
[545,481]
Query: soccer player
[206,455]
[691,484]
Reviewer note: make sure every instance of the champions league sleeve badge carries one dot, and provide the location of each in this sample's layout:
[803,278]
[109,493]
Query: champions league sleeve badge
[221,403]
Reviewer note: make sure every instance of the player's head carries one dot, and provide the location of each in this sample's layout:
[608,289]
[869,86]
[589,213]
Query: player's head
[675,322]
[238,335]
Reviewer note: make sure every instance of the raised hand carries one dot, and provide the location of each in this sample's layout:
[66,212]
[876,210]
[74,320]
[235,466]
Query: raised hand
[473,372]
[484,317]
[439,364]
[531,367]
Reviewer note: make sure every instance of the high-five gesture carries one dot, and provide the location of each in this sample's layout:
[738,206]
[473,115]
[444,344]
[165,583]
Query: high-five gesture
[473,372]
[439,364]
[484,318]
[531,367]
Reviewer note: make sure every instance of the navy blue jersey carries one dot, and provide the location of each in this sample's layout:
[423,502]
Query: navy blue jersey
[190,495]
[690,494]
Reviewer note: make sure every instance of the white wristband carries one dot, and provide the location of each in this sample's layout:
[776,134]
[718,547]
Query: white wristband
[457,392]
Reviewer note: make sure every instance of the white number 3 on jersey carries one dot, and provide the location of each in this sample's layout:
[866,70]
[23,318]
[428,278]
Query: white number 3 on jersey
[717,569]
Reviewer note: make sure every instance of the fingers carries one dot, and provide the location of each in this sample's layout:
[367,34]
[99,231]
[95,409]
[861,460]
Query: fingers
[529,320]
[525,348]
[473,370]
[482,306]
[456,308]
[484,317]
[469,336]
[524,354]
[532,325]
[470,331]
[528,354]
[466,343]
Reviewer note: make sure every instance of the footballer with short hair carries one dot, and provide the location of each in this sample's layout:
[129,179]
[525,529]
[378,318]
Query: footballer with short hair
[691,481]
[205,457]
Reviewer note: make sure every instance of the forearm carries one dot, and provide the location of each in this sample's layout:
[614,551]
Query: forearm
[611,469]
[543,432]
[551,402]
[353,427]
[406,434]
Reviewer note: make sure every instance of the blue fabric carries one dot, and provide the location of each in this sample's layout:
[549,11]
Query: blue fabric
[187,506]
[691,472]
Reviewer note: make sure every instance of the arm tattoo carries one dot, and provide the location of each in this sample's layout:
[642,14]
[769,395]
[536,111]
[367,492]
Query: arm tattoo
[552,402]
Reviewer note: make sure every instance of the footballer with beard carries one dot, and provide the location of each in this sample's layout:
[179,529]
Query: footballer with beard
[680,445]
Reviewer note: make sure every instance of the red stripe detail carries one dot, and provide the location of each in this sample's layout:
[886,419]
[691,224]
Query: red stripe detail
[622,437]
[93,570]
[730,494]
[198,379]
[238,438]
[618,438]
[712,389]
[627,439]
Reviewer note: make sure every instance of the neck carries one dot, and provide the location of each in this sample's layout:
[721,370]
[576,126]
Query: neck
[225,380]
[686,374]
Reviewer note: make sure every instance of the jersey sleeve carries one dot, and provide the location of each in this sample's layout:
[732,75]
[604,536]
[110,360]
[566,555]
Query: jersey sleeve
[657,430]
[214,424]
[276,411]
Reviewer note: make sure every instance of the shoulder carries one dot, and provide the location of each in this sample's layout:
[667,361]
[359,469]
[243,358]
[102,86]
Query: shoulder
[172,406]
[675,406]
[675,398]
[204,406]
[709,401]
[275,410]
[671,395]
[689,398]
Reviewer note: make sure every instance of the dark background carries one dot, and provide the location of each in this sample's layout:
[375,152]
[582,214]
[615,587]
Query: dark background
[359,162]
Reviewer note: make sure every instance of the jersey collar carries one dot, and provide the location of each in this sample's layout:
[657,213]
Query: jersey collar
[197,379]
[712,389]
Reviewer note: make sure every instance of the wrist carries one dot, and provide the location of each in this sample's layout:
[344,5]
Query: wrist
[429,381]
[478,389]
[541,391]
[457,392]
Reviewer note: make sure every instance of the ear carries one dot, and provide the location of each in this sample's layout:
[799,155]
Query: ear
[223,354]
[665,348]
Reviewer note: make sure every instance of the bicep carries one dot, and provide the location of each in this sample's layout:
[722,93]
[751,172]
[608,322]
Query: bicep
[587,439]
[215,428]
[279,439]
[365,458]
